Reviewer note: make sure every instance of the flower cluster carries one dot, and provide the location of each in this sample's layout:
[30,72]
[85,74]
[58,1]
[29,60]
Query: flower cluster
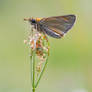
[39,43]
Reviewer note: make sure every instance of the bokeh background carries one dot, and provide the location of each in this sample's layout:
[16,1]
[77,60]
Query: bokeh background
[70,61]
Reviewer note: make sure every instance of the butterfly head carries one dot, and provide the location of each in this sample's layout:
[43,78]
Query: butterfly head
[33,21]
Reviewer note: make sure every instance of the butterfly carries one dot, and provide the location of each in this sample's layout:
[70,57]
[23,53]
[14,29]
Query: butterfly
[55,26]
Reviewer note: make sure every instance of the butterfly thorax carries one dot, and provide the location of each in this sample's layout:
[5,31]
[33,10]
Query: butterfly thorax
[34,21]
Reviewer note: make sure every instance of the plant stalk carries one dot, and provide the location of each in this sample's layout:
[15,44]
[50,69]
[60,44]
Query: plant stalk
[32,58]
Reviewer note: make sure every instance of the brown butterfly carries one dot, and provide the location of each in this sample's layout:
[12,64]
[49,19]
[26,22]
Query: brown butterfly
[53,26]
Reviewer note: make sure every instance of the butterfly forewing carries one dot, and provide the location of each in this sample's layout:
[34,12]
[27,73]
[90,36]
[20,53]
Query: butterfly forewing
[58,25]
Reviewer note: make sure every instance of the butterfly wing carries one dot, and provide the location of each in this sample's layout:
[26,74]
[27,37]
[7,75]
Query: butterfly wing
[57,26]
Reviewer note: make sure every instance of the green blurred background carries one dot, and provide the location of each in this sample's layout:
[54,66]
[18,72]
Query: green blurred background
[70,62]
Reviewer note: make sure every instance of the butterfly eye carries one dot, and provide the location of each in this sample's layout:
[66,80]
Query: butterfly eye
[33,21]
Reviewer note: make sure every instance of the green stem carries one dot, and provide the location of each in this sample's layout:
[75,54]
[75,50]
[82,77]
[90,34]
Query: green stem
[32,58]
[33,90]
[41,73]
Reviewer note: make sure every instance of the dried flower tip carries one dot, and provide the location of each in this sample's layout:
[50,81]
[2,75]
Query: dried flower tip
[39,52]
[38,68]
[45,37]
[45,48]
[42,59]
[38,35]
[25,41]
[31,43]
